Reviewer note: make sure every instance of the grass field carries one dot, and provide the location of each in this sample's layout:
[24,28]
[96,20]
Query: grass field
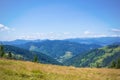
[23,70]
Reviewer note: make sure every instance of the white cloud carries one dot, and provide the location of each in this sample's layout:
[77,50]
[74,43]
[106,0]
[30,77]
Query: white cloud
[87,32]
[100,35]
[4,28]
[66,33]
[50,35]
[116,30]
[115,35]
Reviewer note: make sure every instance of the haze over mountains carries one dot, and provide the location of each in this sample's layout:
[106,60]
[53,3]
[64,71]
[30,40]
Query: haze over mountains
[96,40]
[99,41]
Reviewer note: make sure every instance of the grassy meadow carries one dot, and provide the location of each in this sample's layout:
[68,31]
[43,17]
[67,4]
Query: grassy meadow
[23,70]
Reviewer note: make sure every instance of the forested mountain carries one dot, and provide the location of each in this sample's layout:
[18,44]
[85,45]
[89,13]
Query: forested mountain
[101,57]
[60,50]
[29,55]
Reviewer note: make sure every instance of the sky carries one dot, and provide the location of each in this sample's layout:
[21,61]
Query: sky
[58,19]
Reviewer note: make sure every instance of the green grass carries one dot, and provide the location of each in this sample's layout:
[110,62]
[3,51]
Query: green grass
[23,70]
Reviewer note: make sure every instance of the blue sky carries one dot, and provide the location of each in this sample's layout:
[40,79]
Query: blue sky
[58,19]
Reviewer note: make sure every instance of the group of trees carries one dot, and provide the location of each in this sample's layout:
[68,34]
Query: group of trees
[3,54]
[115,64]
[9,55]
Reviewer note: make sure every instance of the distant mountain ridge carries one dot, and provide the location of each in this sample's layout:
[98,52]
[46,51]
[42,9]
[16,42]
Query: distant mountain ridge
[18,41]
[100,40]
[97,40]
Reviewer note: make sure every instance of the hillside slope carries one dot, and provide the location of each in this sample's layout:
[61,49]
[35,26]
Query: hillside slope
[101,57]
[29,55]
[21,70]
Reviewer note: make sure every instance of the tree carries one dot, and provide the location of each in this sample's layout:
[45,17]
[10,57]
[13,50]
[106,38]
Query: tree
[113,64]
[118,63]
[10,55]
[2,51]
[35,58]
[98,65]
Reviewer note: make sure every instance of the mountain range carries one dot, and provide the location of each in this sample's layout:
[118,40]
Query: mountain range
[96,40]
[79,52]
[57,49]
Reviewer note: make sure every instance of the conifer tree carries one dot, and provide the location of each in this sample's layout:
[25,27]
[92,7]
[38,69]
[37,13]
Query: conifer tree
[2,51]
[35,58]
[10,55]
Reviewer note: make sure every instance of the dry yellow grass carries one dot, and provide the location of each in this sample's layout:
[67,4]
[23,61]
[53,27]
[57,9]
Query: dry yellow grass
[23,70]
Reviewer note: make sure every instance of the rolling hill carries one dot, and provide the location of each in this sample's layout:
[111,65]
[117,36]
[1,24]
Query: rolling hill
[101,57]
